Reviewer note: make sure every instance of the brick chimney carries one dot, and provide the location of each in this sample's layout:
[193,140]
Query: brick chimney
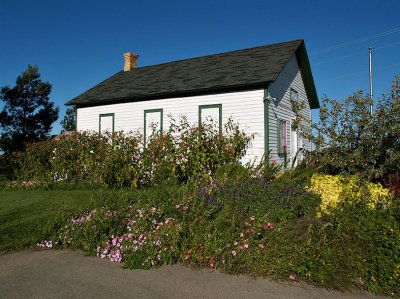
[130,61]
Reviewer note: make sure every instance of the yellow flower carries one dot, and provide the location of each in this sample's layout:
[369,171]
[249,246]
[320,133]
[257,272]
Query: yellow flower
[335,189]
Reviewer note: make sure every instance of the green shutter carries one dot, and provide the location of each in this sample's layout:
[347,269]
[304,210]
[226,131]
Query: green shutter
[266,125]
[278,136]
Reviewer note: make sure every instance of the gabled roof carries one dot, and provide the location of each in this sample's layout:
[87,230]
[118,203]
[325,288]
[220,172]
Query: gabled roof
[231,71]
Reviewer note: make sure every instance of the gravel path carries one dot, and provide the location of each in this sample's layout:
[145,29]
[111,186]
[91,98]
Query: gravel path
[69,274]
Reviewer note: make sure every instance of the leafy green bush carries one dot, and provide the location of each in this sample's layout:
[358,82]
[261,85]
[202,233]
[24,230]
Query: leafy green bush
[5,168]
[355,142]
[189,153]
[355,247]
[181,154]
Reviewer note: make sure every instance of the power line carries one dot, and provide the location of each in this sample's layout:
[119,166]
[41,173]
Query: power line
[385,46]
[356,54]
[361,72]
[356,41]
[342,57]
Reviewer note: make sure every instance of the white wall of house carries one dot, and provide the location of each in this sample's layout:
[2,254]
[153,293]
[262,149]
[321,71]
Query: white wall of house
[245,107]
[281,108]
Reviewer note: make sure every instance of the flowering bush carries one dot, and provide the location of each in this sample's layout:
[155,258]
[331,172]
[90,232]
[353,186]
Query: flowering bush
[243,224]
[146,237]
[336,189]
[189,153]
[183,153]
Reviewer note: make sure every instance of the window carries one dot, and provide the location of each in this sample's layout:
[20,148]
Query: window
[153,122]
[282,136]
[211,114]
[106,123]
[294,96]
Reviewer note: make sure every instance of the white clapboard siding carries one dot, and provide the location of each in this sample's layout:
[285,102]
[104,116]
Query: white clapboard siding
[280,107]
[245,107]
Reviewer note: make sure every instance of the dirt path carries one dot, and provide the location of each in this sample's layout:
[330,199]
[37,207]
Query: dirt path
[69,274]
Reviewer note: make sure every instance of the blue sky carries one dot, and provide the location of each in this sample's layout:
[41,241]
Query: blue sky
[77,44]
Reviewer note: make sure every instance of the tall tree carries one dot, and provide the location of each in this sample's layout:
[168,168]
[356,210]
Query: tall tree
[28,113]
[69,121]
[357,142]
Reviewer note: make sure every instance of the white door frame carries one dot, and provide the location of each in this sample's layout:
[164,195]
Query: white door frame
[294,146]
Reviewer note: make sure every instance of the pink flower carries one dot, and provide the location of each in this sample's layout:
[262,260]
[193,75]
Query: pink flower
[211,262]
[233,253]
[270,225]
[292,277]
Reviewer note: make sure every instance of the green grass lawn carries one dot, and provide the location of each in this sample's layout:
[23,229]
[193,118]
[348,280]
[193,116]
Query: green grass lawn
[25,214]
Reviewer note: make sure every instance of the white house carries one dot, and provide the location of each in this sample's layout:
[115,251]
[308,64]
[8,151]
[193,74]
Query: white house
[253,86]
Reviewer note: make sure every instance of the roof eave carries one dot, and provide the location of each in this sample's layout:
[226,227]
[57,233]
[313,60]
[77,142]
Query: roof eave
[308,80]
[160,96]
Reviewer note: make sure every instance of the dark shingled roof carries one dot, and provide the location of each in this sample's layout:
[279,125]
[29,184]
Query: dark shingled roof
[231,71]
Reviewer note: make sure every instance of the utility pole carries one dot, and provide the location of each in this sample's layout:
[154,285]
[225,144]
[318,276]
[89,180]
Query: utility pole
[371,108]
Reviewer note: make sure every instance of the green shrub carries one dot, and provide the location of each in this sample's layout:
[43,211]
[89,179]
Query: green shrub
[355,247]
[351,140]
[334,190]
[183,153]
